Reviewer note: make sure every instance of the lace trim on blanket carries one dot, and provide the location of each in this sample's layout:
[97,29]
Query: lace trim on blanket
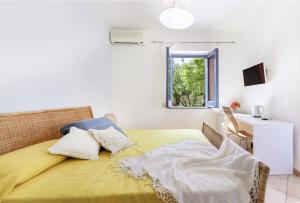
[163,193]
[168,197]
[129,171]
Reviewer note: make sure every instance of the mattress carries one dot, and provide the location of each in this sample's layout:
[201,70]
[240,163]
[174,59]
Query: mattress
[83,181]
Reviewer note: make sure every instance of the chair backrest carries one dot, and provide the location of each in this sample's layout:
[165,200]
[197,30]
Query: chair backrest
[232,123]
[213,137]
[264,171]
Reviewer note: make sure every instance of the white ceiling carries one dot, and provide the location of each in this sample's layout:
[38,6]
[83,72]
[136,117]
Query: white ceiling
[225,15]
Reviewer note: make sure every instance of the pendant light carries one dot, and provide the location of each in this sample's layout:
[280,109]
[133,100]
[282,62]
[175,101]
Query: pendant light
[176,18]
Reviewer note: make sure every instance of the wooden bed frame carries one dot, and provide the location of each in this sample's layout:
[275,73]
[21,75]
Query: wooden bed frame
[18,130]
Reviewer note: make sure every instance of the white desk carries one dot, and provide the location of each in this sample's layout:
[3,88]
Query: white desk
[272,140]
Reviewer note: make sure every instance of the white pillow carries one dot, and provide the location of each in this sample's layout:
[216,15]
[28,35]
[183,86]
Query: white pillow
[78,144]
[111,139]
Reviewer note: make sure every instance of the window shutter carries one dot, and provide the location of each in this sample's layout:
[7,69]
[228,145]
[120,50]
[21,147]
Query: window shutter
[212,80]
[168,78]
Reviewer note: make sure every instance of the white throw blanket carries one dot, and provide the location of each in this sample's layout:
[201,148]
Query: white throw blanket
[195,172]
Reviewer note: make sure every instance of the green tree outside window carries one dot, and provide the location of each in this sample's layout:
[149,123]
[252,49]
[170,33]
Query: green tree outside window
[189,83]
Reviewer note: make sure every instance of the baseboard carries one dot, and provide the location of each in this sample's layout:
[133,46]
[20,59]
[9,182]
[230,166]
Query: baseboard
[296,172]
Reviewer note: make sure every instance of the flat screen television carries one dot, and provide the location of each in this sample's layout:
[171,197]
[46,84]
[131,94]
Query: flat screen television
[255,75]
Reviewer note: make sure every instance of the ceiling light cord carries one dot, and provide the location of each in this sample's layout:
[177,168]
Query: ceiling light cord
[195,42]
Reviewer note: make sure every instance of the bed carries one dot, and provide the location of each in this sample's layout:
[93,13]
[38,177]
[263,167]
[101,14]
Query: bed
[74,180]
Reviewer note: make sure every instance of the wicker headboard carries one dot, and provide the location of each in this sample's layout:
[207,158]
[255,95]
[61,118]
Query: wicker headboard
[18,130]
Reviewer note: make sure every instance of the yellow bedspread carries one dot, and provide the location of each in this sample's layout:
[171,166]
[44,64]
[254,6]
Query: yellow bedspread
[79,181]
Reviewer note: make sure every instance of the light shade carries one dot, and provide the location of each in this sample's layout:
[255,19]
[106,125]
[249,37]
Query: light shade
[176,18]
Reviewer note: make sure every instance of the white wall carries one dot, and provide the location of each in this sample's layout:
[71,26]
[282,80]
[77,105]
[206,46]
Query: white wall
[53,54]
[139,80]
[273,38]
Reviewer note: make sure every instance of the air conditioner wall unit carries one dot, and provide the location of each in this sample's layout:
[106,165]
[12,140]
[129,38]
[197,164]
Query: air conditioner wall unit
[127,37]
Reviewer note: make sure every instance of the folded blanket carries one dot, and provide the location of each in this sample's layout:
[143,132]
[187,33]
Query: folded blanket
[194,172]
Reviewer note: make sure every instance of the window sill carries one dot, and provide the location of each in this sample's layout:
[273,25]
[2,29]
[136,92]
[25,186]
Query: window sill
[202,107]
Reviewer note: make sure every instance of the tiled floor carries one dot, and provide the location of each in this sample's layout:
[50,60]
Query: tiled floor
[283,189]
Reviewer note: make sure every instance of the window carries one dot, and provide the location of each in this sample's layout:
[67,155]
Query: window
[192,79]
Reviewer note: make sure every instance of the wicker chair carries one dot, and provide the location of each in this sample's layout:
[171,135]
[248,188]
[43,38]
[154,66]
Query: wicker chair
[216,140]
[213,137]
[234,128]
